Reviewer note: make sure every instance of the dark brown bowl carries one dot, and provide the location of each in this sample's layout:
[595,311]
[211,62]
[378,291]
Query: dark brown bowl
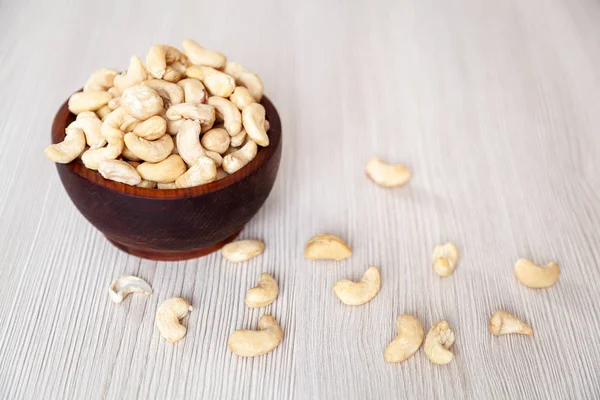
[176,224]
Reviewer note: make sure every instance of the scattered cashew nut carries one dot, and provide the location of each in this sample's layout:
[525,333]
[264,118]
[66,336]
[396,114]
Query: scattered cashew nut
[167,318]
[119,171]
[244,77]
[445,258]
[387,175]
[536,276]
[242,250]
[357,293]
[326,247]
[125,285]
[248,343]
[438,341]
[407,342]
[503,323]
[264,293]
[253,118]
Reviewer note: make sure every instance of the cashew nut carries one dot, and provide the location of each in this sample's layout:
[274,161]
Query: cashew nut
[174,126]
[151,129]
[387,175]
[248,343]
[70,148]
[88,101]
[149,150]
[112,124]
[326,247]
[174,72]
[537,276]
[188,142]
[114,103]
[216,157]
[216,139]
[126,284]
[141,102]
[202,113]
[444,259]
[236,160]
[264,293]
[407,342]
[171,93]
[200,56]
[162,172]
[103,112]
[119,171]
[241,97]
[439,339]
[242,250]
[253,117]
[357,293]
[239,139]
[217,82]
[503,323]
[193,91]
[158,57]
[244,77]
[93,157]
[167,318]
[203,171]
[229,113]
[100,80]
[144,183]
[136,73]
[92,127]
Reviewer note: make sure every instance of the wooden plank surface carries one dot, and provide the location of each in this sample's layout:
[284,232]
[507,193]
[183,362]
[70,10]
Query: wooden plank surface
[493,104]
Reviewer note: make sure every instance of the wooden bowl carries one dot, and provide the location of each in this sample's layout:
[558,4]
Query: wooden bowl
[176,224]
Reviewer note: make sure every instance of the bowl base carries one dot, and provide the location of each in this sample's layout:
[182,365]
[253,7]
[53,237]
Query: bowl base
[174,255]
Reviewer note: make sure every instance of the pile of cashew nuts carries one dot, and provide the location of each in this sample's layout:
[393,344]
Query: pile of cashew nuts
[184,119]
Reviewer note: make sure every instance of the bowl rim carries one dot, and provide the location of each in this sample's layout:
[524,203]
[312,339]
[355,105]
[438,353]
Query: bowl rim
[63,117]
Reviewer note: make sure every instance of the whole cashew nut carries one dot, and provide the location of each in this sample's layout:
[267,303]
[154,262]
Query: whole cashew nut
[407,342]
[239,139]
[103,112]
[203,171]
[112,126]
[387,175]
[188,142]
[439,339]
[202,113]
[503,323]
[326,247]
[92,158]
[235,161]
[264,293]
[100,80]
[247,343]
[253,118]
[229,113]
[216,157]
[92,127]
[242,250]
[357,293]
[70,148]
[244,77]
[136,74]
[174,126]
[162,172]
[174,72]
[171,93]
[241,97]
[167,318]
[151,129]
[125,285]
[149,150]
[88,101]
[144,183]
[159,56]
[193,91]
[119,171]
[141,102]
[537,276]
[445,258]
[216,139]
[201,56]
[217,82]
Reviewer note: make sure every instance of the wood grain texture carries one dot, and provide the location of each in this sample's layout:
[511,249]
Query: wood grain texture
[493,104]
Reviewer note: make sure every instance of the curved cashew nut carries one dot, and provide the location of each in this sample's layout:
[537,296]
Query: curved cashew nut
[387,175]
[445,258]
[119,171]
[537,276]
[136,74]
[125,285]
[244,77]
[200,56]
[103,112]
[167,318]
[144,183]
[92,158]
[92,127]
[216,157]
[247,343]
[236,160]
[203,171]
[188,142]
[88,101]
[202,113]
[357,293]
[264,293]
[242,250]
[326,247]
[149,150]
[174,126]
[241,97]
[217,82]
[163,172]
[407,342]
[239,139]
[439,339]
[112,124]
[100,80]
[216,139]
[152,128]
[159,56]
[193,91]
[253,118]
[503,323]
[174,72]
[228,112]
[70,148]
[171,93]
[141,102]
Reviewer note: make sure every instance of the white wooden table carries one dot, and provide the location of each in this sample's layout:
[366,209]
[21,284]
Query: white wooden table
[495,105]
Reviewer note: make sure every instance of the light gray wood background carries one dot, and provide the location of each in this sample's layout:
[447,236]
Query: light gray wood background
[495,105]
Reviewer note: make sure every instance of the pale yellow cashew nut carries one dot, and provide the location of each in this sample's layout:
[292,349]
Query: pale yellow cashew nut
[387,175]
[407,341]
[114,124]
[119,171]
[244,77]
[149,150]
[159,56]
[125,285]
[101,80]
[167,318]
[136,74]
[188,142]
[141,102]
[165,171]
[241,97]
[253,118]
[216,157]
[438,341]
[445,258]
[504,323]
[92,127]
[88,101]
[203,171]
[92,158]
[357,293]
[171,93]
[229,113]
[236,160]
[242,250]
[70,148]
[537,276]
[217,140]
[326,247]
[217,82]
[201,56]
[239,139]
[264,293]
[202,113]
[248,343]
[152,128]
[193,91]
